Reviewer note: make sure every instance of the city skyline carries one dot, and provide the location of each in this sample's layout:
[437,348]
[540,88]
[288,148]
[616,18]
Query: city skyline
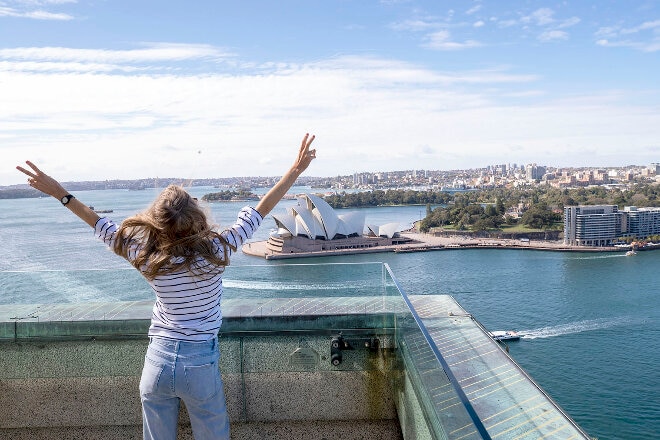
[122,90]
[471,177]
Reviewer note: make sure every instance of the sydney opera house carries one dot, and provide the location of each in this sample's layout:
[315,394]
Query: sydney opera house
[313,226]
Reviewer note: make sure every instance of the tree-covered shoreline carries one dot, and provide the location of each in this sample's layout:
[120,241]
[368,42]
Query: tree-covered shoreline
[230,195]
[538,208]
[391,197]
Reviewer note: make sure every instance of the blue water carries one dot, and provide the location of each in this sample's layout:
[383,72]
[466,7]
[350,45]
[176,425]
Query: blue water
[590,322]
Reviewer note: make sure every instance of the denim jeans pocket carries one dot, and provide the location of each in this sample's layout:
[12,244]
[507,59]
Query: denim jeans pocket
[202,381]
[151,373]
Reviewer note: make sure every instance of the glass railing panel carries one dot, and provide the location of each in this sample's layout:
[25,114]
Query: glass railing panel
[304,280]
[327,297]
[481,379]
[303,307]
[258,281]
[292,304]
[72,286]
[447,414]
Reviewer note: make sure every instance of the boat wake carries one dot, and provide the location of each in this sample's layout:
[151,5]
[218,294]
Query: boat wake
[574,327]
[600,257]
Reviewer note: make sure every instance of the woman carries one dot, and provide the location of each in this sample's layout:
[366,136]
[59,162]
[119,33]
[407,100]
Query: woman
[182,257]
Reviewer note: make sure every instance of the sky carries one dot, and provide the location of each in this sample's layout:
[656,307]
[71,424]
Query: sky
[125,89]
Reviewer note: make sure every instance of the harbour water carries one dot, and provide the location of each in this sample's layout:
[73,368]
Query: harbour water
[590,323]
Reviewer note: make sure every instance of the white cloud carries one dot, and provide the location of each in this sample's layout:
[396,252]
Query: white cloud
[648,46]
[479,24]
[615,31]
[648,25]
[415,25]
[543,18]
[441,40]
[507,23]
[607,32]
[367,113]
[540,17]
[569,22]
[149,53]
[612,36]
[553,35]
[152,56]
[40,66]
[473,9]
[34,10]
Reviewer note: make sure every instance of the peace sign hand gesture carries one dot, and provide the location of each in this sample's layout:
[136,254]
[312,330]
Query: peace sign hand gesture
[41,181]
[305,155]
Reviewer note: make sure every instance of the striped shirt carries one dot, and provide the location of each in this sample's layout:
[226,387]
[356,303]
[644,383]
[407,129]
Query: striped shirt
[187,306]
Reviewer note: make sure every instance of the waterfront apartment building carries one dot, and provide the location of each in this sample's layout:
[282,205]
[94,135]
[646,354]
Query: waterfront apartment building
[592,225]
[642,222]
[604,225]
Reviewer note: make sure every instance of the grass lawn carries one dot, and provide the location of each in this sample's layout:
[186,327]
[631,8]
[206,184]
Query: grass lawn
[522,228]
[517,229]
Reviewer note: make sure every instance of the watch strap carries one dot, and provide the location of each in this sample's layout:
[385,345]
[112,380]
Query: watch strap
[66,199]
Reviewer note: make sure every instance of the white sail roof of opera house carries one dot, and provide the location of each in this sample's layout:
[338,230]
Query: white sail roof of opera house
[314,218]
[388,230]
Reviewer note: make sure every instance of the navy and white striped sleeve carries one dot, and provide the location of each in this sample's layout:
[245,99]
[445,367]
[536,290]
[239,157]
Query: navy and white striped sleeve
[105,230]
[247,223]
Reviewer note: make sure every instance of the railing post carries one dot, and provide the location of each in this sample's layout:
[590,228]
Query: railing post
[450,375]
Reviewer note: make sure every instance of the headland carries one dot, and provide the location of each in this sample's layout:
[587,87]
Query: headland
[421,242]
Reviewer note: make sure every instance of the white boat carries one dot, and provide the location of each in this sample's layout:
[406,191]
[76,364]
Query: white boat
[630,253]
[504,335]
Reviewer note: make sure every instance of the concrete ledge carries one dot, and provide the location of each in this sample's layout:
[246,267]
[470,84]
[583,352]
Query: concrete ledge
[331,395]
[89,389]
[69,402]
[321,430]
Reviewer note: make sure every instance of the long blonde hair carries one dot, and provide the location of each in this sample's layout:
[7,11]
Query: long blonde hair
[173,234]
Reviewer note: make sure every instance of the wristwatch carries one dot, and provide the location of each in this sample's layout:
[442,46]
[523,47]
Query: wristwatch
[66,199]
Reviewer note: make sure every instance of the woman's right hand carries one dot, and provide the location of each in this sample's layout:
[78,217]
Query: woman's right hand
[305,155]
[275,194]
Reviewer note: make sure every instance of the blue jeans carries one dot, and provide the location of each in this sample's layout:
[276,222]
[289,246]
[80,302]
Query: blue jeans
[188,371]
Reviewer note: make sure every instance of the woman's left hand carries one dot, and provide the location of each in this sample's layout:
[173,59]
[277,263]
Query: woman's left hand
[41,181]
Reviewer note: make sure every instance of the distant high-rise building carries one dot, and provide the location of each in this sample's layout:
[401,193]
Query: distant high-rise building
[534,172]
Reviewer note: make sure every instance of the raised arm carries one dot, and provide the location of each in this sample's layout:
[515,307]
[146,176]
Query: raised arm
[275,194]
[43,182]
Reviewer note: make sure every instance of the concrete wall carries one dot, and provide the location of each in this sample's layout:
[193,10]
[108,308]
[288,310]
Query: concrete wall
[89,389]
